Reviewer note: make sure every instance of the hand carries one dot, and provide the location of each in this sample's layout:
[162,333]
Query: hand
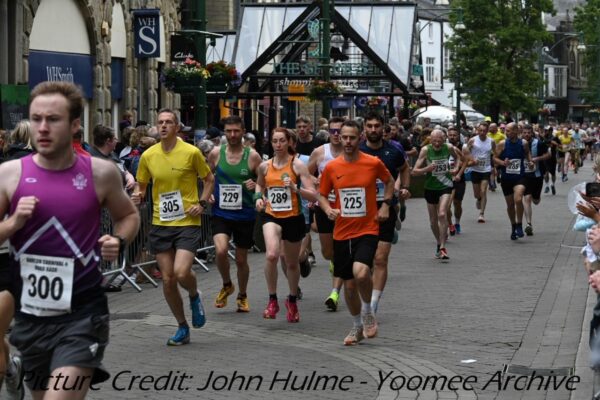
[430,168]
[594,281]
[109,247]
[136,198]
[586,209]
[211,199]
[383,213]
[593,238]
[287,182]
[506,162]
[129,181]
[24,210]
[250,185]
[595,201]
[194,210]
[404,194]
[259,205]
[333,213]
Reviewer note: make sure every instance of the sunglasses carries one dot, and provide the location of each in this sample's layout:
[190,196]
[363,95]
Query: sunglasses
[334,131]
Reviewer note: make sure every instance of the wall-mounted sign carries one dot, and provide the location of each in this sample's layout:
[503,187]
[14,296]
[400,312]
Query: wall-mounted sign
[296,88]
[146,33]
[61,67]
[14,101]
[314,68]
[182,47]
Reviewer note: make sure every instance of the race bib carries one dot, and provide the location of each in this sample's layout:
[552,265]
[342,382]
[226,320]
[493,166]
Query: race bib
[482,162]
[441,167]
[529,167]
[331,196]
[514,166]
[230,197]
[47,285]
[280,198]
[171,206]
[380,190]
[353,202]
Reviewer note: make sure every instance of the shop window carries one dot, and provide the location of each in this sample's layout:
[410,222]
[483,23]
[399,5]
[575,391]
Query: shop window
[572,65]
[429,69]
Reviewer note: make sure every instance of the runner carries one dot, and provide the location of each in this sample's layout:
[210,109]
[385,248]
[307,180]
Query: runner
[564,151]
[283,222]
[395,161]
[317,162]
[61,323]
[233,213]
[534,175]
[434,161]
[553,143]
[174,166]
[510,155]
[479,151]
[356,219]
[459,186]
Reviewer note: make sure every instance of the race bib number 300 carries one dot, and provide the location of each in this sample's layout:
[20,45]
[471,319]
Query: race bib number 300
[353,202]
[280,198]
[47,285]
[171,206]
[230,197]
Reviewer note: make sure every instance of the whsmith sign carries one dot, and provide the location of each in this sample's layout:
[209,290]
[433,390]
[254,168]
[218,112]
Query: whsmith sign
[315,68]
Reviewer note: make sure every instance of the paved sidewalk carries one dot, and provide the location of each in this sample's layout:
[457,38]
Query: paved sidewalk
[496,303]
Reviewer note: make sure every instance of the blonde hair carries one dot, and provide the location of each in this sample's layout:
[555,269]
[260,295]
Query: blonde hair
[22,134]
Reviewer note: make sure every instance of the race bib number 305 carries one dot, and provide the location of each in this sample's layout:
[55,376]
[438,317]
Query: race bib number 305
[353,202]
[230,197]
[280,198]
[171,206]
[47,285]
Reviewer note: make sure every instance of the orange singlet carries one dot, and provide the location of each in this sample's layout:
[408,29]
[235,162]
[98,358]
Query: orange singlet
[281,201]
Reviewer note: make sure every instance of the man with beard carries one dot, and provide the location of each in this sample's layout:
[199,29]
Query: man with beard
[395,161]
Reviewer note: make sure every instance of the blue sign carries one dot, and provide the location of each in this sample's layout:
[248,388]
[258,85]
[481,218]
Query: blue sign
[117,86]
[341,103]
[62,67]
[146,33]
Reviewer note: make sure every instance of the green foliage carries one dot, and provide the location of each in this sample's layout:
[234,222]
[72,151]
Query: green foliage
[587,21]
[496,55]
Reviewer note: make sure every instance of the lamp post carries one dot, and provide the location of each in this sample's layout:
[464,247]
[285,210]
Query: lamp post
[326,8]
[458,26]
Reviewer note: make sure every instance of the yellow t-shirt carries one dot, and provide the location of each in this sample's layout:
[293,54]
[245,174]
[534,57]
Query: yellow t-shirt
[565,142]
[497,137]
[175,180]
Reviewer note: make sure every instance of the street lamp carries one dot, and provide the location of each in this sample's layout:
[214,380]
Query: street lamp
[458,26]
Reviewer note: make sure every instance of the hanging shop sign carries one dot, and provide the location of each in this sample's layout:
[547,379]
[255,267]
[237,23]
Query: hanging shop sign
[14,101]
[146,33]
[61,67]
[314,68]
[182,47]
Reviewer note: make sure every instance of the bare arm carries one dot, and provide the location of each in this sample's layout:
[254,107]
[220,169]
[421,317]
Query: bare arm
[10,173]
[314,160]
[419,168]
[307,188]
[259,201]
[497,153]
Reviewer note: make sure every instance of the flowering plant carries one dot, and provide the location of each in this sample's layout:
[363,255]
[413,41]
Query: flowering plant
[377,102]
[320,89]
[544,111]
[188,73]
[224,72]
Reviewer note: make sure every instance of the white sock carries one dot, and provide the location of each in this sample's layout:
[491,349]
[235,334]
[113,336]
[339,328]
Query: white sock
[357,320]
[335,290]
[366,308]
[375,296]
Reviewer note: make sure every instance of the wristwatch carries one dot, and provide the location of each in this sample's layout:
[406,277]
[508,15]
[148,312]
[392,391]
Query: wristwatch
[387,201]
[122,243]
[203,204]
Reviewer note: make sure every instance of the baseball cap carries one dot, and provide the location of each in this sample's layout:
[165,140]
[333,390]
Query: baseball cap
[212,133]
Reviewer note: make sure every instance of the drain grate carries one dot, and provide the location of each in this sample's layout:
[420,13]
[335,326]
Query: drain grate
[523,370]
[132,315]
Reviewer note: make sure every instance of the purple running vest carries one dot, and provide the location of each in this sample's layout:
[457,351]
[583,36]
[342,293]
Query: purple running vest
[65,223]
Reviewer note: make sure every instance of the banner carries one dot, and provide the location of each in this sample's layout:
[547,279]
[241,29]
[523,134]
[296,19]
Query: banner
[14,101]
[146,33]
[182,47]
[61,67]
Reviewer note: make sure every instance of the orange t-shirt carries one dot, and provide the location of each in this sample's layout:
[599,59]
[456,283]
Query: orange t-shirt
[356,194]
[281,201]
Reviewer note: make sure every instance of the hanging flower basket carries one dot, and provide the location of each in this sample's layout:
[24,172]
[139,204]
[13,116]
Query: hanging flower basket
[544,111]
[184,77]
[377,102]
[223,76]
[321,90]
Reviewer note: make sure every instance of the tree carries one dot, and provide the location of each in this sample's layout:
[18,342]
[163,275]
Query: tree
[587,21]
[495,57]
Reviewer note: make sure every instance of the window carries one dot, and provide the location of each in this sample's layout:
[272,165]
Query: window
[447,61]
[572,65]
[430,30]
[429,69]
[559,83]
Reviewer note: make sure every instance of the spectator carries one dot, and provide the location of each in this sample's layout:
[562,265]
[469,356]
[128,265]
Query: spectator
[3,142]
[19,144]
[323,136]
[77,145]
[213,134]
[104,140]
[250,140]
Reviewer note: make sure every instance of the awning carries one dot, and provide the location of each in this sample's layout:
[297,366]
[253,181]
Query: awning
[383,32]
[445,100]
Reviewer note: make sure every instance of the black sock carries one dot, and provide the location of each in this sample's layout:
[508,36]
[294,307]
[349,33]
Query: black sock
[184,324]
[194,298]
[228,284]
[292,299]
[273,296]
[242,295]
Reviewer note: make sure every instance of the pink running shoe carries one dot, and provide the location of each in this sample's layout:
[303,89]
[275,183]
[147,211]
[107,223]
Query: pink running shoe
[271,310]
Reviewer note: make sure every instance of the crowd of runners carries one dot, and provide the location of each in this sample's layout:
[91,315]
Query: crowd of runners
[350,185]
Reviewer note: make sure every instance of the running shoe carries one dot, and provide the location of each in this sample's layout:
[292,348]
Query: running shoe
[444,254]
[481,219]
[438,254]
[553,189]
[332,300]
[547,190]
[529,230]
[513,235]
[305,268]
[355,336]
[299,295]
[198,316]
[311,258]
[452,229]
[271,310]
[221,300]
[292,311]
[369,325]
[15,389]
[492,186]
[457,226]
[156,274]
[519,231]
[242,304]
[182,336]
